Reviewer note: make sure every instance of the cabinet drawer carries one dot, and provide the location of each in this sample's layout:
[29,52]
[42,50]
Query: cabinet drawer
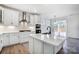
[14,38]
[26,34]
[14,35]
[5,38]
[48,49]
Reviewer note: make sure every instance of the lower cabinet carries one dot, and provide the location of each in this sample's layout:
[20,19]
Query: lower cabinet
[38,46]
[5,38]
[31,46]
[14,38]
[24,36]
[35,46]
[48,49]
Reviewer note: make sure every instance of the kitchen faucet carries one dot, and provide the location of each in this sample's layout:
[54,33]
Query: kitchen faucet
[49,28]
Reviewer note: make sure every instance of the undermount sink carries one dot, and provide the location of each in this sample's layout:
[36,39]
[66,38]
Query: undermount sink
[46,33]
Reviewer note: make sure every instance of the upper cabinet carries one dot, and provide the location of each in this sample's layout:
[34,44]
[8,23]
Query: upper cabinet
[10,17]
[45,22]
[35,19]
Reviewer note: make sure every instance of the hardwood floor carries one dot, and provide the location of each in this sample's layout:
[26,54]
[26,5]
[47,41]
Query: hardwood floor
[15,49]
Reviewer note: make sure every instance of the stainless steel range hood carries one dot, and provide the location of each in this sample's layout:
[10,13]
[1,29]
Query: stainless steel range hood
[23,18]
[23,22]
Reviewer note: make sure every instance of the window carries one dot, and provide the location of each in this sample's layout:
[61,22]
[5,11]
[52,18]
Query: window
[60,29]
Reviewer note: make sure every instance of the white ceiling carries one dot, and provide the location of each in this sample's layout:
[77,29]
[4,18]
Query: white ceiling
[48,9]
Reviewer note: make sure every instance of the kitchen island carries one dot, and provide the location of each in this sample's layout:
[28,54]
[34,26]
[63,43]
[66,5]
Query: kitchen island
[44,44]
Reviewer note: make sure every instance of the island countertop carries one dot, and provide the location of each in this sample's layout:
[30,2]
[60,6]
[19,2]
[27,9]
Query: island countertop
[47,39]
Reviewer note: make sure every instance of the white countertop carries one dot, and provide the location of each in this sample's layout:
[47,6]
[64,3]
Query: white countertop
[1,32]
[47,39]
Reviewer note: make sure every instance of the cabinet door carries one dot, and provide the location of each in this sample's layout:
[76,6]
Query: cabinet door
[7,17]
[35,19]
[31,48]
[5,38]
[32,22]
[44,29]
[48,49]
[38,46]
[24,36]
[15,20]
[47,22]
[14,38]
[10,17]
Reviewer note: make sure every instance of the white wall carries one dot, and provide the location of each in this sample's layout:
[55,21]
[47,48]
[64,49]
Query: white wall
[59,10]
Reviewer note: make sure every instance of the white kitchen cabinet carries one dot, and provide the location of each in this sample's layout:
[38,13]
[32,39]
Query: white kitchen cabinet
[31,46]
[24,36]
[6,40]
[43,21]
[48,49]
[44,29]
[38,46]
[44,24]
[35,19]
[35,46]
[10,17]
[47,22]
[32,20]
[14,38]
